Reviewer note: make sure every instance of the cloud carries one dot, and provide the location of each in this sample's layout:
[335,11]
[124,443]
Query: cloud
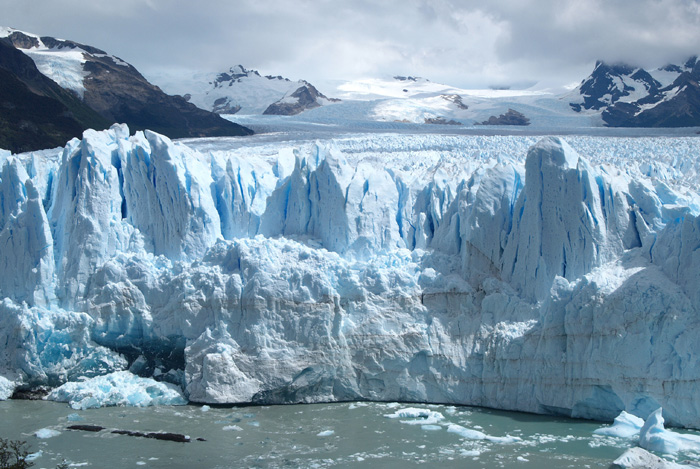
[461,42]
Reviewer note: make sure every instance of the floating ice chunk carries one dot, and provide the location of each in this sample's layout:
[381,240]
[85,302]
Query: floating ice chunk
[34,456]
[470,434]
[6,388]
[420,416]
[325,433]
[431,428]
[74,418]
[120,388]
[625,425]
[638,457]
[654,437]
[46,433]
[232,428]
[205,408]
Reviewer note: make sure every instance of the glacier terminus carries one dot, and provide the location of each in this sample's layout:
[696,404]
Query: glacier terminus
[548,275]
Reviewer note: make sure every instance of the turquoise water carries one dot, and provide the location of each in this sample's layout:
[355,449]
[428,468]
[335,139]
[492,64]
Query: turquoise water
[314,436]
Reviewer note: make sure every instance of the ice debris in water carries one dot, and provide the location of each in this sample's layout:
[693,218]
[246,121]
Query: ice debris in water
[46,433]
[470,434]
[120,388]
[419,416]
[6,388]
[325,433]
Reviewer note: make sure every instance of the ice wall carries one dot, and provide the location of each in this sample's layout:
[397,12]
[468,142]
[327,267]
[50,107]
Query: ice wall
[331,271]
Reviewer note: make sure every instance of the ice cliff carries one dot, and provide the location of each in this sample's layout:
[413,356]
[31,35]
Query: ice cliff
[315,271]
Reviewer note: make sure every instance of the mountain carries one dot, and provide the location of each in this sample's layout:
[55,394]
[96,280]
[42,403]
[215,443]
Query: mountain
[634,97]
[35,112]
[248,92]
[113,89]
[501,272]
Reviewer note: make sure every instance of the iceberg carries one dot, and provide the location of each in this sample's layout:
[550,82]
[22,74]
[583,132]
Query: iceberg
[551,277]
[120,388]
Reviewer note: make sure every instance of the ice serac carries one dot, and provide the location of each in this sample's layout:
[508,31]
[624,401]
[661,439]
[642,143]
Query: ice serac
[306,272]
[566,222]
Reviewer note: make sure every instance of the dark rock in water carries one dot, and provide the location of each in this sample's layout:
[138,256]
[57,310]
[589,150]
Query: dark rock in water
[86,428]
[441,121]
[201,439]
[512,117]
[176,437]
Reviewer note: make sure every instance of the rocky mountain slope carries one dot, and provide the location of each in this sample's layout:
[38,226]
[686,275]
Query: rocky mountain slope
[248,92]
[35,112]
[113,89]
[633,97]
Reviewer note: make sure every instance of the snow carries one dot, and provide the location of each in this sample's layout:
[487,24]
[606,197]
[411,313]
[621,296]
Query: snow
[543,274]
[120,388]
[64,66]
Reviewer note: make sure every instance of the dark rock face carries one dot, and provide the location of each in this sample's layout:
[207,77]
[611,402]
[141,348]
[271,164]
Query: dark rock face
[225,106]
[456,99]
[512,117]
[305,97]
[607,84]
[441,121]
[35,112]
[677,105]
[121,94]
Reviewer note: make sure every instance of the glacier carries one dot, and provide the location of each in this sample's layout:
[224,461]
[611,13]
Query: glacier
[548,275]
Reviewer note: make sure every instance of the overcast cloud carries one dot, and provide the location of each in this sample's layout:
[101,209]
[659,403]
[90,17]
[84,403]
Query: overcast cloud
[466,43]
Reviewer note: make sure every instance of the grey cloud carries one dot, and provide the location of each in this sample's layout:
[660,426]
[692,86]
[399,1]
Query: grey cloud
[461,42]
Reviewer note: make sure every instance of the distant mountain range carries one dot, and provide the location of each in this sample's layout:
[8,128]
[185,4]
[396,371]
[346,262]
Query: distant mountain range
[52,89]
[634,97]
[241,90]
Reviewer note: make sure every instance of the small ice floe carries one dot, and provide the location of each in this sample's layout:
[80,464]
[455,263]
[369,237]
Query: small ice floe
[418,416]
[205,408]
[74,418]
[326,433]
[431,428]
[470,434]
[34,456]
[625,426]
[120,388]
[46,433]
[232,428]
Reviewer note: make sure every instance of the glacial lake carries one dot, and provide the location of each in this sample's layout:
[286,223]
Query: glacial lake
[309,436]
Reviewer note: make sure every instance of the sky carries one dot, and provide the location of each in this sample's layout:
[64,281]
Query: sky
[464,43]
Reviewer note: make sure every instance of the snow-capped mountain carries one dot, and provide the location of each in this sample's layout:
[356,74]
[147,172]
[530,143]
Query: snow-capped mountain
[503,272]
[115,89]
[239,90]
[634,97]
